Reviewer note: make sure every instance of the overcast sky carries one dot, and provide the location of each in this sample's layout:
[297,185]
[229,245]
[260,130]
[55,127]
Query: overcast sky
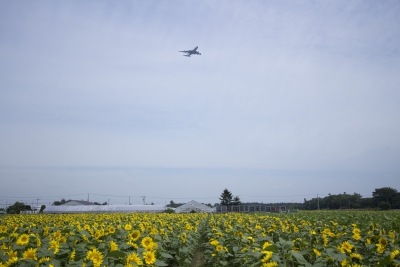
[288,100]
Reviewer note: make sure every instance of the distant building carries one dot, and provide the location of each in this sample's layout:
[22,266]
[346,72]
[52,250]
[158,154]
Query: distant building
[29,212]
[104,208]
[193,206]
[77,203]
[251,208]
[35,210]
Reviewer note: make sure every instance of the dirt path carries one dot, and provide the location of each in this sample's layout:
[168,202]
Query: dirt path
[198,257]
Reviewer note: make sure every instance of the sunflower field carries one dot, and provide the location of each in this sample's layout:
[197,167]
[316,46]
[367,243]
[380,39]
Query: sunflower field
[99,239]
[233,239]
[351,239]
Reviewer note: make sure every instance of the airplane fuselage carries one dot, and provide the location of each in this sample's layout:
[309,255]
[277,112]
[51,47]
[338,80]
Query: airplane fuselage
[191,52]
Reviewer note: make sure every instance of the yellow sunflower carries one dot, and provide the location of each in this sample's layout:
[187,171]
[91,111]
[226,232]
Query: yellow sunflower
[347,246]
[149,257]
[11,261]
[147,241]
[267,257]
[135,235]
[113,246]
[72,256]
[133,258]
[23,240]
[111,229]
[356,256]
[95,256]
[30,254]
[394,254]
[12,254]
[383,242]
[317,252]
[214,242]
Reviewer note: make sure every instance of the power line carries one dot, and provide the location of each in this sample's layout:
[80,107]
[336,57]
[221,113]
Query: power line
[44,197]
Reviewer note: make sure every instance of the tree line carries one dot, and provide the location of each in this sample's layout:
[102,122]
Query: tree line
[382,198]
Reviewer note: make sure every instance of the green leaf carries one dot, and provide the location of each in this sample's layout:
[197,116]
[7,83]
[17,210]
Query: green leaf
[184,250]
[86,233]
[17,247]
[385,260]
[223,263]
[56,263]
[272,248]
[166,255]
[29,261]
[160,263]
[300,259]
[116,254]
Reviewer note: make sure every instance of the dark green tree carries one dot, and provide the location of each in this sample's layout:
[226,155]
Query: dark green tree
[169,210]
[226,198]
[58,203]
[16,208]
[42,208]
[384,205]
[236,201]
[387,194]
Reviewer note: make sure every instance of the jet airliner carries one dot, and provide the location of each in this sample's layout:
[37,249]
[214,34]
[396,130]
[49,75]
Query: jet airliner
[191,52]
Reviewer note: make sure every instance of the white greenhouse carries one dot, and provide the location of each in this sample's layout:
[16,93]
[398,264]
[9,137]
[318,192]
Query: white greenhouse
[193,206]
[104,208]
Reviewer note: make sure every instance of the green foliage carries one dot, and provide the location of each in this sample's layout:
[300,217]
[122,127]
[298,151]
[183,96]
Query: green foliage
[17,208]
[42,208]
[172,204]
[388,194]
[58,203]
[236,201]
[226,198]
[384,205]
[355,201]
[169,211]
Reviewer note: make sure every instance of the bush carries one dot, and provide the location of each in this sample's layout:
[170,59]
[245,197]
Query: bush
[384,205]
[169,211]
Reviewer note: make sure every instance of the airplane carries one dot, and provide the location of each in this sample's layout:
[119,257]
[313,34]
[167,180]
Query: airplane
[191,52]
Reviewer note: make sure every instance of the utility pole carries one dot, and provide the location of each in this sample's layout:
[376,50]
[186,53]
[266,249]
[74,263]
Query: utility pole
[129,200]
[144,200]
[318,201]
[108,202]
[88,197]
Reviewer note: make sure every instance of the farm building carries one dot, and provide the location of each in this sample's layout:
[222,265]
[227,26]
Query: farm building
[77,203]
[251,208]
[193,206]
[104,208]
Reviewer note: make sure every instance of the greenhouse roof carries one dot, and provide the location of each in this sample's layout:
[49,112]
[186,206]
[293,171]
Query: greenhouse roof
[104,208]
[193,206]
